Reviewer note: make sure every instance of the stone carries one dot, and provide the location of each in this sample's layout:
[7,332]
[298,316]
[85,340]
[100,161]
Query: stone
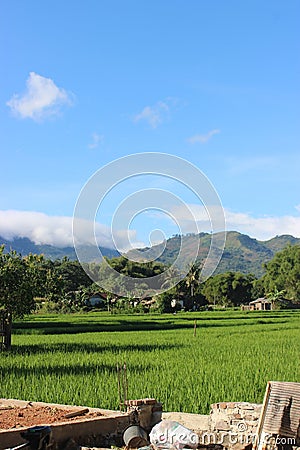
[252,423]
[222,425]
[248,413]
[236,423]
[196,422]
[248,417]
[248,406]
[223,405]
[258,408]
[231,405]
[219,417]
[149,401]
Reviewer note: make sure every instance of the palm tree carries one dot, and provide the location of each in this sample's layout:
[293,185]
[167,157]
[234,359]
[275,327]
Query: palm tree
[276,296]
[192,279]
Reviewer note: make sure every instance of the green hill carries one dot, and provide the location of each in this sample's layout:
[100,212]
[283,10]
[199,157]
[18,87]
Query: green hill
[241,254]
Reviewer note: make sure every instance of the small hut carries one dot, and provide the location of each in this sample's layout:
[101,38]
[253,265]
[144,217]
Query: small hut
[261,304]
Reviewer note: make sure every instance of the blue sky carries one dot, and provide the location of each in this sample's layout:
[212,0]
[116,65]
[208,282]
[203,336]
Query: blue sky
[85,83]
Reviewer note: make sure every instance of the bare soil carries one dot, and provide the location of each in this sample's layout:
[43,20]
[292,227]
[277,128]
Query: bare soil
[31,415]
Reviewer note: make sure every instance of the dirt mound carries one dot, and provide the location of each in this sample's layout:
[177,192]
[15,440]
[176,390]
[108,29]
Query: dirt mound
[31,415]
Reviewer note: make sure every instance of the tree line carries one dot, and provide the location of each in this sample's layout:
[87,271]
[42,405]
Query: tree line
[28,282]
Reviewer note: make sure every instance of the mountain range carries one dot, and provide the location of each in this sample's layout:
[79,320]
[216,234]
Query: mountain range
[242,253]
[24,246]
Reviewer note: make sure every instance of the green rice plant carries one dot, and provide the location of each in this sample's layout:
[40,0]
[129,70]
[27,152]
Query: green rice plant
[72,359]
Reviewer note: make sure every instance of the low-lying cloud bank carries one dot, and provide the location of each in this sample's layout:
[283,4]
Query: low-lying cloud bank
[261,228]
[57,230]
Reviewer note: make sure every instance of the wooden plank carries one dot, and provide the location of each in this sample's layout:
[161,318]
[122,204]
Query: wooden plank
[280,412]
[79,412]
[283,410]
[258,444]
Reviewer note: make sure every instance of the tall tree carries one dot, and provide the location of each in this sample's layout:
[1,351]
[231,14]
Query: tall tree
[16,289]
[16,286]
[192,278]
[228,289]
[283,273]
[72,275]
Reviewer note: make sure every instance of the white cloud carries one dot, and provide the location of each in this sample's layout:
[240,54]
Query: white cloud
[200,216]
[57,230]
[153,115]
[41,99]
[203,138]
[261,228]
[40,228]
[97,139]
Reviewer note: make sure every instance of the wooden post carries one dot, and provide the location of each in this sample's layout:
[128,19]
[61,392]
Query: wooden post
[125,384]
[195,327]
[122,385]
[7,331]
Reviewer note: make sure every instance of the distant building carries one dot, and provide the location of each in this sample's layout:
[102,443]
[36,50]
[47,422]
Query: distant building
[96,300]
[260,304]
[175,303]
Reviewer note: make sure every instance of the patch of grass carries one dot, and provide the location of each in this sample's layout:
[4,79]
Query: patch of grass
[72,359]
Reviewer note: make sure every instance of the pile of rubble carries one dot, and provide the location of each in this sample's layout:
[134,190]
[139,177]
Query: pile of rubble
[143,426]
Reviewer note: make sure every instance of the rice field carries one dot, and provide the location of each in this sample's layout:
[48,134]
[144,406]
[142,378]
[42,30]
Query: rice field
[72,359]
